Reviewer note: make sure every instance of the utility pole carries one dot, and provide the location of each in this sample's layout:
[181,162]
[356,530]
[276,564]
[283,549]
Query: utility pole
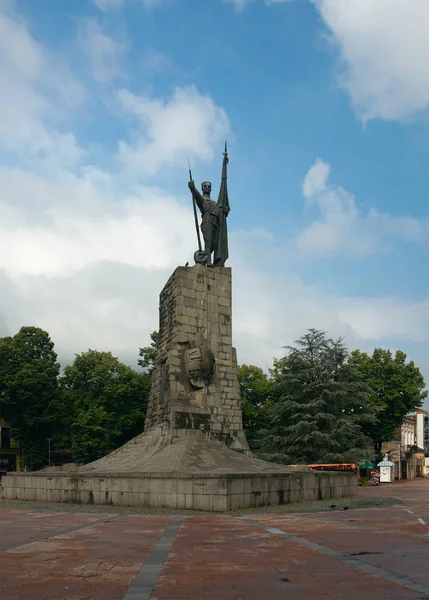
[49,440]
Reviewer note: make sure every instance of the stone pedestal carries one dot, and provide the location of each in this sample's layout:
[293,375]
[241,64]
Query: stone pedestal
[193,452]
[195,380]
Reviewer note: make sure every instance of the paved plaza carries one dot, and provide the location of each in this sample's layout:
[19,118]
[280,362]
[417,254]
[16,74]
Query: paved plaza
[374,553]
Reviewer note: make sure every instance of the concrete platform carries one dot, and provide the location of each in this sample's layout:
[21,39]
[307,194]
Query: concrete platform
[192,473]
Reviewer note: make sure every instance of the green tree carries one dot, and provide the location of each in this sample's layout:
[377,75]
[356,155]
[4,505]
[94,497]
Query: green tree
[29,379]
[397,389]
[256,393]
[103,404]
[321,405]
[89,433]
[149,353]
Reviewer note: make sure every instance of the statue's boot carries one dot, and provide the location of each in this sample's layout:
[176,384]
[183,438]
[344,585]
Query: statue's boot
[209,257]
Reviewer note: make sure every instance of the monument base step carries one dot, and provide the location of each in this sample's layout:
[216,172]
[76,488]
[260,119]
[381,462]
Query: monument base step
[211,493]
[192,473]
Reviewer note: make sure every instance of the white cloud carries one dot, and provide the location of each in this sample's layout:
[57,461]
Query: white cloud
[81,258]
[384,47]
[156,61]
[136,230]
[384,50]
[105,54]
[105,5]
[342,227]
[240,5]
[386,318]
[34,88]
[189,124]
[271,310]
[316,179]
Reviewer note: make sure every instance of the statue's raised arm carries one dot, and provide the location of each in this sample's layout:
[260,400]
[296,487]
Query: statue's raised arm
[196,195]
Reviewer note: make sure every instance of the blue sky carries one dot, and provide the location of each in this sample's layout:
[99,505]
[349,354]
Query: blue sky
[325,107]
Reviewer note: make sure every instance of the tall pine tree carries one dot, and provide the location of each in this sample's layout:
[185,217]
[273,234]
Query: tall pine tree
[321,405]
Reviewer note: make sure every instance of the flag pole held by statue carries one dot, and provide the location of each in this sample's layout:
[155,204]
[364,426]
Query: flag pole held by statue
[195,211]
[222,253]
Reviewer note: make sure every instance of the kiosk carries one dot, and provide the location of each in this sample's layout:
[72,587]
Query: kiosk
[387,470]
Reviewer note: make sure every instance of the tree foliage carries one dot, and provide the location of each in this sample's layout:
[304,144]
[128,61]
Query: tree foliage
[149,353]
[397,389]
[103,404]
[256,390]
[29,379]
[320,407]
[317,405]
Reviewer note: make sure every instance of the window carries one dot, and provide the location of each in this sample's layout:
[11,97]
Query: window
[5,438]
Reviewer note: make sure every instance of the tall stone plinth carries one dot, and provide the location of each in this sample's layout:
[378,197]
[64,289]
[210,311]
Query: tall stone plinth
[195,381]
[193,452]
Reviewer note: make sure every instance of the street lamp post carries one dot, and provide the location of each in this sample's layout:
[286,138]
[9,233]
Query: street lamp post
[49,440]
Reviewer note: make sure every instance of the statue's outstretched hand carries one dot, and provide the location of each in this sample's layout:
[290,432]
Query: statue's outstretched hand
[191,186]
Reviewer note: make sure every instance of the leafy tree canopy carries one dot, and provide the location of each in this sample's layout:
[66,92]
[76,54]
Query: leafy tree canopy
[29,379]
[148,353]
[397,389]
[103,404]
[256,390]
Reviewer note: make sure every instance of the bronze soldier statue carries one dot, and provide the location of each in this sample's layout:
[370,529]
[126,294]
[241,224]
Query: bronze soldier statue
[213,223]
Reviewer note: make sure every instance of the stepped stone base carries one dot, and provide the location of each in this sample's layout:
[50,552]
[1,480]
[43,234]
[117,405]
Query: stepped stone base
[191,473]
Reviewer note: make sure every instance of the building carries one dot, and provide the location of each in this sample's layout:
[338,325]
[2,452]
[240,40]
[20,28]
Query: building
[408,442]
[409,447]
[418,451]
[9,449]
[393,451]
[422,437]
[406,449]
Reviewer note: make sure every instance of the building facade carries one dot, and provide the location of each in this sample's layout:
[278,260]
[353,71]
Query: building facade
[409,448]
[422,437]
[393,451]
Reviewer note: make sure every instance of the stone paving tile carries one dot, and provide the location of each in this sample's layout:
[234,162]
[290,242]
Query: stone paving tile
[404,523]
[98,562]
[228,559]
[18,526]
[402,555]
[316,523]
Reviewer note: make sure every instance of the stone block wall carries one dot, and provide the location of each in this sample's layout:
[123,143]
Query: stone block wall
[195,308]
[212,493]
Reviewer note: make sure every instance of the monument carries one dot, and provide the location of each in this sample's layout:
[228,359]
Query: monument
[193,452]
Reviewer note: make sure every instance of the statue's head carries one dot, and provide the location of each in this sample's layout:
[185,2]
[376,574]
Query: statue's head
[206,186]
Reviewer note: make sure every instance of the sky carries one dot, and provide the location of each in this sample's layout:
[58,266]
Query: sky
[325,106]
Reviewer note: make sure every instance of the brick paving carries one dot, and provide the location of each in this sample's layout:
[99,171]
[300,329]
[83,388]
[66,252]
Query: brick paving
[372,553]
